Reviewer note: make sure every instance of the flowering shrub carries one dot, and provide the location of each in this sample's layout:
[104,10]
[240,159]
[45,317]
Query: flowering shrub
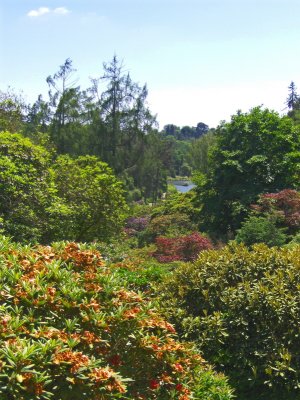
[137,223]
[71,330]
[183,248]
[170,225]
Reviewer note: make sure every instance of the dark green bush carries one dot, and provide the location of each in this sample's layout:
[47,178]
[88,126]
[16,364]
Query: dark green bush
[242,308]
[261,230]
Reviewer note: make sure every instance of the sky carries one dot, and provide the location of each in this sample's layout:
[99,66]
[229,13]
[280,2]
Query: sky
[202,60]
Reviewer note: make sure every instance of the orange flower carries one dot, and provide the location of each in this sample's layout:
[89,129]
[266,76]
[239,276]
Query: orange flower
[166,378]
[129,296]
[184,397]
[178,367]
[51,291]
[89,337]
[76,359]
[132,313]
[102,374]
[38,389]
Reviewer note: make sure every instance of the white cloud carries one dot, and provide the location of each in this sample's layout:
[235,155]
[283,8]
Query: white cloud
[37,13]
[45,10]
[61,10]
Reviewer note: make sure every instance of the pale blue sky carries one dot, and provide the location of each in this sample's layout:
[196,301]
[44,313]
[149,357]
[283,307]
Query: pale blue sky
[201,59]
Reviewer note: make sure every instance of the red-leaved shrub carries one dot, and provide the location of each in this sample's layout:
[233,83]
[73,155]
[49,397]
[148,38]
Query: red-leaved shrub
[182,248]
[284,204]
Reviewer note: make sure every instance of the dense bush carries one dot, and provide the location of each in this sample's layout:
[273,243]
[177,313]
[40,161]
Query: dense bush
[176,202]
[76,199]
[242,307]
[137,223]
[256,152]
[261,230]
[93,198]
[25,187]
[284,205]
[273,217]
[71,330]
[170,225]
[182,248]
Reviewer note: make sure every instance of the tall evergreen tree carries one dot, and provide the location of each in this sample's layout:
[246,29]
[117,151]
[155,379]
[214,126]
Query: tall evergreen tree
[68,114]
[293,97]
[124,115]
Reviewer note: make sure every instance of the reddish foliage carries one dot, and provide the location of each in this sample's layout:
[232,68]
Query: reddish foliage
[183,248]
[285,204]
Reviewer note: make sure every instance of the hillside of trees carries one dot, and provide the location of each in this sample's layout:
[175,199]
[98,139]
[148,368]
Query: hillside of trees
[114,285]
[110,120]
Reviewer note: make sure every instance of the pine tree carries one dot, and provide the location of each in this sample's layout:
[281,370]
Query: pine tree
[293,97]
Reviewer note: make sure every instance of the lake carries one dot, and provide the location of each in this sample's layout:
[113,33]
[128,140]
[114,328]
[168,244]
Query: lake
[182,186]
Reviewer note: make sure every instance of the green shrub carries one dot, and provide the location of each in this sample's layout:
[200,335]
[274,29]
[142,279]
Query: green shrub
[261,230]
[283,205]
[26,187]
[242,308]
[176,202]
[93,196]
[295,240]
[170,225]
[71,330]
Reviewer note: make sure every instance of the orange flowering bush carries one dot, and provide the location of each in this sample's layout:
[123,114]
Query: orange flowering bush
[70,329]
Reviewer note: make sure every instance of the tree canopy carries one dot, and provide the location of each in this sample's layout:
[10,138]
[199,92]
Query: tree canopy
[256,152]
[93,196]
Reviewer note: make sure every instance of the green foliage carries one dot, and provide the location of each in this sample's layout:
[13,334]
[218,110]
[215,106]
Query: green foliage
[139,270]
[186,132]
[295,240]
[199,152]
[179,163]
[283,206]
[12,111]
[273,217]
[141,278]
[170,217]
[75,199]
[212,388]
[170,225]
[38,118]
[256,152]
[242,309]
[151,169]
[70,330]
[261,230]
[115,125]
[25,185]
[293,103]
[94,199]
[176,202]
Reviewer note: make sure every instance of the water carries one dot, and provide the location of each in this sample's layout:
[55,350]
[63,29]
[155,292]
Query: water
[183,186]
